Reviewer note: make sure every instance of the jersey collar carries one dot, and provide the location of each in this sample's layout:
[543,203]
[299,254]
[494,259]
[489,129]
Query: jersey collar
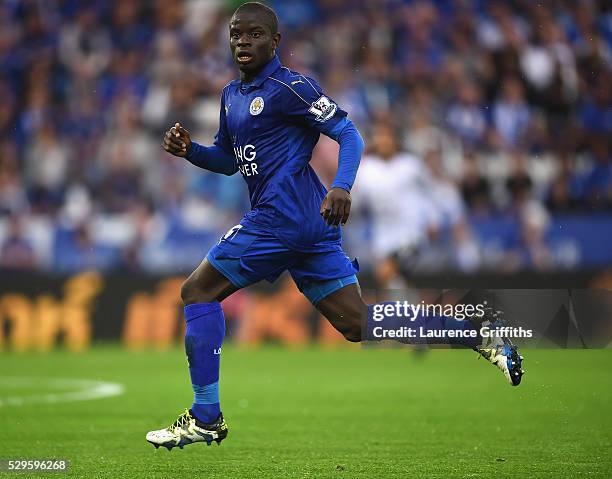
[266,71]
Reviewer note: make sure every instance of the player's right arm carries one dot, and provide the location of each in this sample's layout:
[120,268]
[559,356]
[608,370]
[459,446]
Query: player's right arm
[218,158]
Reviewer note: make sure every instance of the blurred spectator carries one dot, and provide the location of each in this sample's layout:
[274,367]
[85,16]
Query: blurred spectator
[129,28]
[391,190]
[13,199]
[46,165]
[595,115]
[47,160]
[595,185]
[85,46]
[121,185]
[560,197]
[475,188]
[16,252]
[449,220]
[511,116]
[530,250]
[79,251]
[466,115]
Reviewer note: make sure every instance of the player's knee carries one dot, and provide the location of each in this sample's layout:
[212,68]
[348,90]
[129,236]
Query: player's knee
[191,293]
[187,292]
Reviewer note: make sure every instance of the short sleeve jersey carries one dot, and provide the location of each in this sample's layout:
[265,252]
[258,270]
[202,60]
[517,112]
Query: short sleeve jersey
[271,127]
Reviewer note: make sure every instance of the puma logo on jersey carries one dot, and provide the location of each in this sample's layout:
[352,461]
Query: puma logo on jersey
[296,82]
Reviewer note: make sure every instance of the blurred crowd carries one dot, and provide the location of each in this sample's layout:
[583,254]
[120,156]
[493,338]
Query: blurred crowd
[493,112]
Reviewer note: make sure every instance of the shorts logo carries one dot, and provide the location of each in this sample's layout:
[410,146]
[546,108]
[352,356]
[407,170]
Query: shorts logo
[257,106]
[323,109]
[233,231]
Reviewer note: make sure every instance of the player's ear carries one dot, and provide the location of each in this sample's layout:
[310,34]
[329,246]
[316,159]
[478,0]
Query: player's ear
[276,38]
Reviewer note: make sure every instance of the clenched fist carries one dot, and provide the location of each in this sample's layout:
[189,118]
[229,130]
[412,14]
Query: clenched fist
[177,141]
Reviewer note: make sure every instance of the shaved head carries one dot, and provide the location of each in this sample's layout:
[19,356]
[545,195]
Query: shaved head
[264,13]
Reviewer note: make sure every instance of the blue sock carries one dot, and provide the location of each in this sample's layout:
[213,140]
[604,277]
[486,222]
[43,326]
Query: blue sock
[204,335]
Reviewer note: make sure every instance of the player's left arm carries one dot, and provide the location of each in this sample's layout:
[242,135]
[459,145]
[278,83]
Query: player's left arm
[336,206]
[311,107]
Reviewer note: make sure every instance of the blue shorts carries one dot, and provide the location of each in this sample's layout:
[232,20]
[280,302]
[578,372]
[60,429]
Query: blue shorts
[246,255]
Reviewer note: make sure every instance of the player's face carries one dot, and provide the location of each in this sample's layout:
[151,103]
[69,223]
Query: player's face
[385,142]
[252,43]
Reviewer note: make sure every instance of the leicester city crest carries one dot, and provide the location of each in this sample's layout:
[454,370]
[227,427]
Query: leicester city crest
[257,106]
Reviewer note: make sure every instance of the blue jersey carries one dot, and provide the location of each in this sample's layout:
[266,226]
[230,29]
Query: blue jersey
[271,126]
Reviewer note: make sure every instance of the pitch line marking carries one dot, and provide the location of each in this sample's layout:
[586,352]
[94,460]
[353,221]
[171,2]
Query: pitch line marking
[80,390]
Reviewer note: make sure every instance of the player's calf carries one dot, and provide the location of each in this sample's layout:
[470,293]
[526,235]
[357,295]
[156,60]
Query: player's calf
[346,312]
[352,332]
[348,324]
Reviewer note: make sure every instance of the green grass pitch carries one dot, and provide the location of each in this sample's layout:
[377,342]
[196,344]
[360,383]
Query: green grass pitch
[317,413]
